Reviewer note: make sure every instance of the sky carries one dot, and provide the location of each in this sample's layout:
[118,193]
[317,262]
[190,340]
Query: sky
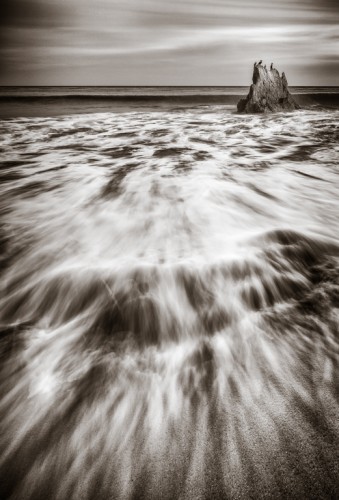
[166,42]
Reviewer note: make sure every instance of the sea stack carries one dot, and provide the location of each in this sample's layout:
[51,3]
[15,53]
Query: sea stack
[268,93]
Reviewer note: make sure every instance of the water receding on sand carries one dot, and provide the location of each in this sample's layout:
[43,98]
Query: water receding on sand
[169,310]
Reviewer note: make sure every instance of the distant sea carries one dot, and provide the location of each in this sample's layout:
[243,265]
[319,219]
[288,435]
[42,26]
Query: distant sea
[139,91]
[55,101]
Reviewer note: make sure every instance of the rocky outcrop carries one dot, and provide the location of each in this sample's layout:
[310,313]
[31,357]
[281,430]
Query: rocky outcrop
[268,92]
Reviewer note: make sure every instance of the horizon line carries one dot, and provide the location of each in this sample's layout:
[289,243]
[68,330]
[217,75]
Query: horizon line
[157,86]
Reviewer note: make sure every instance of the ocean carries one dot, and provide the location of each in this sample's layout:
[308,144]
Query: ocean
[169,295]
[56,101]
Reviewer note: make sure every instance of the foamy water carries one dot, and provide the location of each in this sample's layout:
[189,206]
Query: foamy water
[169,305]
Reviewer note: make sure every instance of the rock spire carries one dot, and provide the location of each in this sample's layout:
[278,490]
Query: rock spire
[268,92]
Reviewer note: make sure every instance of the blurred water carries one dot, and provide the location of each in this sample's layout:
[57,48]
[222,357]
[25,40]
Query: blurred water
[169,305]
[134,91]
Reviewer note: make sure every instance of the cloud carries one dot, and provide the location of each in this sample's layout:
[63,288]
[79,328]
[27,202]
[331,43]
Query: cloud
[21,25]
[30,14]
[124,42]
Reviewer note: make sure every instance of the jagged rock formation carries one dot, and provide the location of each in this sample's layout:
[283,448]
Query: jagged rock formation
[268,93]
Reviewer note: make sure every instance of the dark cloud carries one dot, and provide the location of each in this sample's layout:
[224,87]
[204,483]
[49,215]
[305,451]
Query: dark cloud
[30,14]
[20,23]
[331,5]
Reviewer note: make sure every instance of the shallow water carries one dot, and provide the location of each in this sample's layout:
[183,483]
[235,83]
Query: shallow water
[170,305]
